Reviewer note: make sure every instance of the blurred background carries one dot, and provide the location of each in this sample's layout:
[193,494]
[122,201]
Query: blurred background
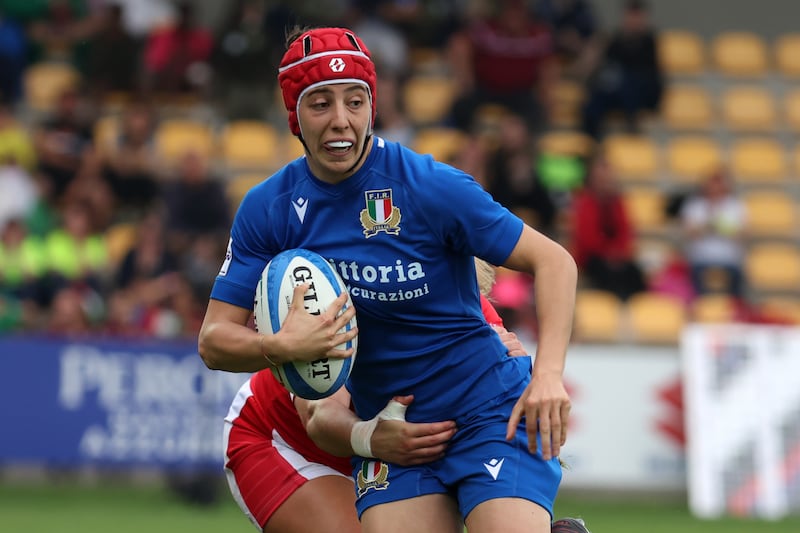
[658,141]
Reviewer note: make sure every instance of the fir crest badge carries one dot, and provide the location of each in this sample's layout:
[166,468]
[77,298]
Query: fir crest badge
[380,214]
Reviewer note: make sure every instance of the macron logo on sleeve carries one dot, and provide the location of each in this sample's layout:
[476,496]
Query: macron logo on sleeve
[300,205]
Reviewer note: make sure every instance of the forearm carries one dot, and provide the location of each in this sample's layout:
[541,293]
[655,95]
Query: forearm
[329,423]
[231,347]
[555,286]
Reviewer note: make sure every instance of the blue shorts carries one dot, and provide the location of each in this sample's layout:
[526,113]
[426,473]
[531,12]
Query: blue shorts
[479,465]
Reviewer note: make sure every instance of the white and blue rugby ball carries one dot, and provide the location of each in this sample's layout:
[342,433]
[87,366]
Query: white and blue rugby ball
[274,293]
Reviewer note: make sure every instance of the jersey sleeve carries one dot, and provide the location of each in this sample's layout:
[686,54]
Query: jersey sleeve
[247,254]
[466,217]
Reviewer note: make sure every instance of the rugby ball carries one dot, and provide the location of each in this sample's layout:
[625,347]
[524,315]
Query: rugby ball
[290,268]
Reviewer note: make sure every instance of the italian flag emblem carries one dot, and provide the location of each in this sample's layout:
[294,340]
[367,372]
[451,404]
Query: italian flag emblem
[379,205]
[380,213]
[373,475]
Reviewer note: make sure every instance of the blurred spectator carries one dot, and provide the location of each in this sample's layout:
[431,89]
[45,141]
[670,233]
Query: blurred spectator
[628,77]
[123,314]
[195,201]
[573,24]
[673,278]
[114,56]
[44,215]
[16,145]
[390,122]
[714,221]
[76,251]
[61,140]
[24,11]
[63,33]
[176,56]
[387,45]
[176,314]
[512,178]
[74,311]
[13,58]
[13,316]
[130,161]
[242,61]
[23,263]
[90,187]
[151,297]
[198,219]
[602,234]
[149,259]
[141,17]
[472,157]
[18,193]
[560,174]
[506,58]
[279,15]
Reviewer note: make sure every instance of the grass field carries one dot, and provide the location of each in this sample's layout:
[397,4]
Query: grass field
[124,508]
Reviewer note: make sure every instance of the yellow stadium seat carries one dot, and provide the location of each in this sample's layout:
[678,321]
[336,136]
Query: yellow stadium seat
[749,108]
[783,309]
[687,107]
[773,267]
[175,137]
[740,54]
[487,121]
[633,157]
[105,132]
[566,143]
[426,59]
[681,52]
[44,82]
[442,143]
[692,157]
[770,214]
[791,109]
[249,144]
[796,160]
[656,318]
[238,186]
[787,54]
[598,316]
[566,101]
[427,99]
[758,160]
[645,207]
[714,308]
[292,148]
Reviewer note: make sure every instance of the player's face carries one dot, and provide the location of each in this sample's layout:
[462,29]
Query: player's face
[334,120]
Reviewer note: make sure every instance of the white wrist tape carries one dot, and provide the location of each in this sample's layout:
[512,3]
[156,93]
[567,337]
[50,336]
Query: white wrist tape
[361,434]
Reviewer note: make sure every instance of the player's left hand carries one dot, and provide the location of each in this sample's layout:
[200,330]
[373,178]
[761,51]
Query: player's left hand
[545,405]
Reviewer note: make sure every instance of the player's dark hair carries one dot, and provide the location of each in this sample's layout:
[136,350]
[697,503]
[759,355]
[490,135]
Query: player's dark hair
[293,32]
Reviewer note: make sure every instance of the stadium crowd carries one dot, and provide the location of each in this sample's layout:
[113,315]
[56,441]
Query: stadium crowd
[69,187]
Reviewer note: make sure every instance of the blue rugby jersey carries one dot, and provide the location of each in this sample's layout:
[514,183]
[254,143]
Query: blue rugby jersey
[401,232]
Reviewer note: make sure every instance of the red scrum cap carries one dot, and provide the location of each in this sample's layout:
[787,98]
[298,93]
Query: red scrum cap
[321,56]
